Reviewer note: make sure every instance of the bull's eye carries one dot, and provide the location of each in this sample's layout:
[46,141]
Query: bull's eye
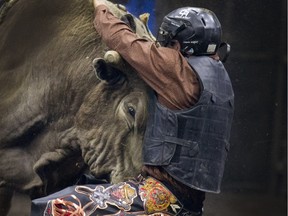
[131,111]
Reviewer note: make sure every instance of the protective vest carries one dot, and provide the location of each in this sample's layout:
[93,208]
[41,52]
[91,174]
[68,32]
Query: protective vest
[192,144]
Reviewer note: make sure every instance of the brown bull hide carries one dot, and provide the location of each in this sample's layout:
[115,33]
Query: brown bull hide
[56,117]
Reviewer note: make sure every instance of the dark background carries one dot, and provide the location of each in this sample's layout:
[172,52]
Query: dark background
[256,172]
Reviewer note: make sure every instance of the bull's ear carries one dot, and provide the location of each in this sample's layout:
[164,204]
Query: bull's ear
[106,72]
[129,20]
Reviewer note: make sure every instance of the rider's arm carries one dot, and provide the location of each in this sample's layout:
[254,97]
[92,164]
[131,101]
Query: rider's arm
[164,69]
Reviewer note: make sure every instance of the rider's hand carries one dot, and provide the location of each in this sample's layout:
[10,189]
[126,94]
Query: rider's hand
[99,2]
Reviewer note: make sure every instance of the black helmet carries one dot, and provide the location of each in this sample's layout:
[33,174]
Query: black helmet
[197,29]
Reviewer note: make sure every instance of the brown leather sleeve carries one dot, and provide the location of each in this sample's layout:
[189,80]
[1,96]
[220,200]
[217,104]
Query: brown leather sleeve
[164,69]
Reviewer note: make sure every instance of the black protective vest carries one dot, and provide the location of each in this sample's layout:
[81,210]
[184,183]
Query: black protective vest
[192,144]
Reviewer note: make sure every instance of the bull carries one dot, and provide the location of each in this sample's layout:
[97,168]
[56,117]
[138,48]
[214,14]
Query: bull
[57,119]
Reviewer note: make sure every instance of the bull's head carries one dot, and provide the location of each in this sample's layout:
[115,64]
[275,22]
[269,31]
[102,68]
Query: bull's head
[115,147]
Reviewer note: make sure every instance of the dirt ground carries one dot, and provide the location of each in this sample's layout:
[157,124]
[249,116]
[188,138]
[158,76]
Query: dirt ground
[225,204]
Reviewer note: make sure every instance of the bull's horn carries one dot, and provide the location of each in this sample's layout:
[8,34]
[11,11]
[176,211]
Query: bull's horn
[144,18]
[113,57]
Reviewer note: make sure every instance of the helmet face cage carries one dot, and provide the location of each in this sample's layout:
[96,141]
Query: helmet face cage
[167,32]
[201,35]
[163,37]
